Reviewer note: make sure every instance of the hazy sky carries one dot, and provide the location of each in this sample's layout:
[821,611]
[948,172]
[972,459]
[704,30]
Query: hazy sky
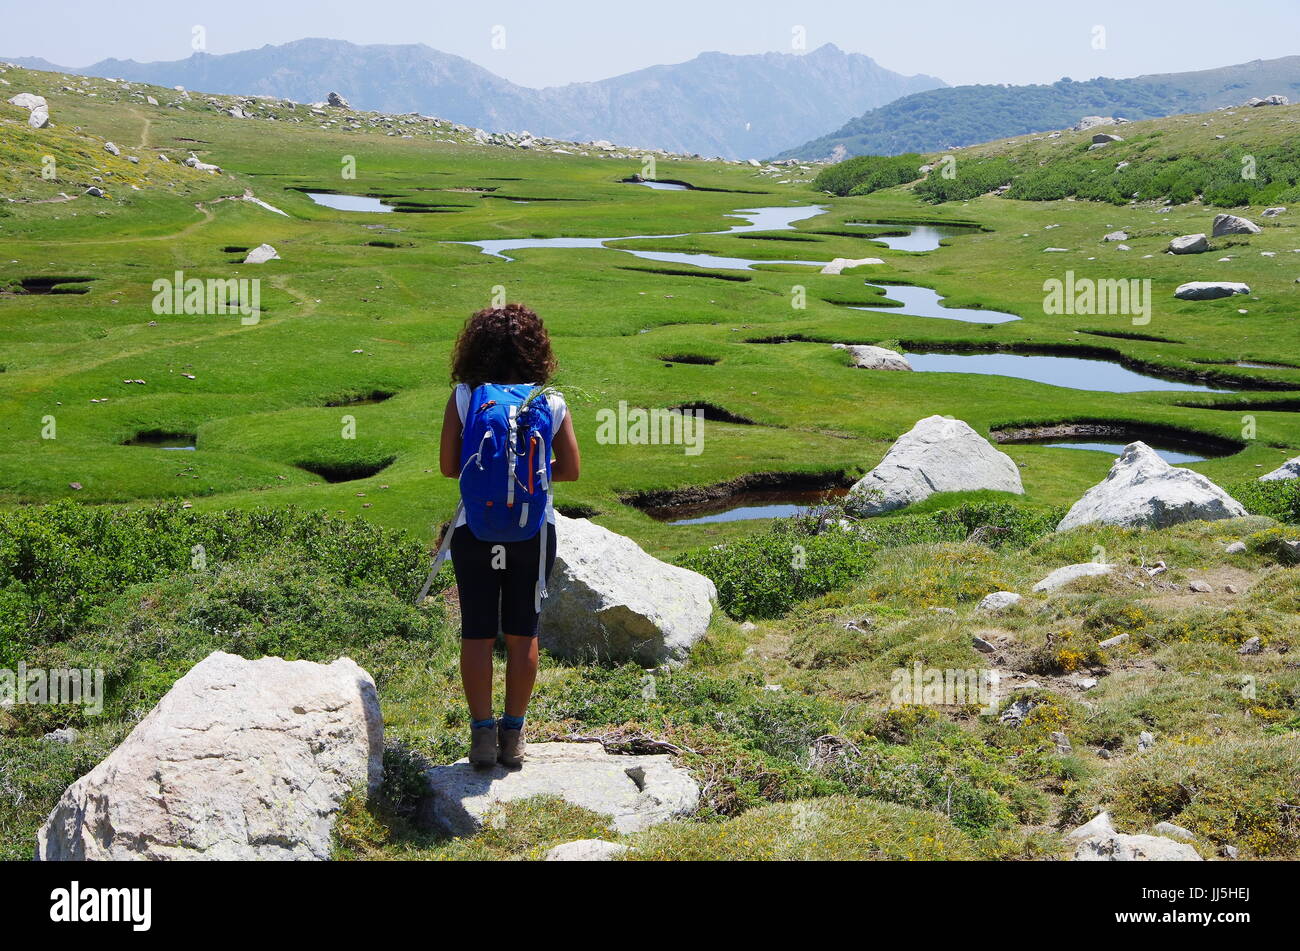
[547,42]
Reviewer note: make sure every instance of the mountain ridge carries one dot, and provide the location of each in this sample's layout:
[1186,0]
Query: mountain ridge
[736,106]
[957,116]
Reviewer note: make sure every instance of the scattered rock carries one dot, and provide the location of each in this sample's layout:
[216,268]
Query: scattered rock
[1236,548]
[999,601]
[1063,576]
[1273,212]
[1105,138]
[636,792]
[62,735]
[1210,290]
[337,101]
[867,357]
[1229,851]
[611,601]
[1190,244]
[1116,236]
[585,850]
[1135,848]
[1115,641]
[242,759]
[1174,831]
[39,118]
[1200,587]
[261,254]
[981,645]
[1099,825]
[1092,122]
[1016,711]
[112,149]
[94,191]
[938,454]
[1062,743]
[1142,490]
[1234,224]
[1252,646]
[1146,740]
[1288,470]
[28,101]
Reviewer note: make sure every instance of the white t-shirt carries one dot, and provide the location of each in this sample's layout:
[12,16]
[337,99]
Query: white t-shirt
[558,411]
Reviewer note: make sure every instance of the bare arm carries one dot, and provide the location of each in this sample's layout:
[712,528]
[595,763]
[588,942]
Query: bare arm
[568,461]
[449,449]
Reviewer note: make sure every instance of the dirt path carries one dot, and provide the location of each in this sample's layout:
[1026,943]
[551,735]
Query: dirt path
[146,127]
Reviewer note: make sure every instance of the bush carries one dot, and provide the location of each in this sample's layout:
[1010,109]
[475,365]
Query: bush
[868,173]
[764,575]
[1279,499]
[974,177]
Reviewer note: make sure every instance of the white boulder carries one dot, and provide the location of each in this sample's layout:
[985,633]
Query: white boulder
[1190,244]
[27,100]
[1097,841]
[1063,576]
[1142,490]
[999,601]
[866,357]
[938,454]
[242,759]
[611,601]
[39,117]
[261,254]
[1288,470]
[1210,290]
[1234,224]
[635,792]
[585,850]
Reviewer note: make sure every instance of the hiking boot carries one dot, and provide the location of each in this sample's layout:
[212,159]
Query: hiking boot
[483,745]
[510,746]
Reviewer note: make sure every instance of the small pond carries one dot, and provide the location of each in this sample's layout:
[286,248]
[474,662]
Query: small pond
[348,202]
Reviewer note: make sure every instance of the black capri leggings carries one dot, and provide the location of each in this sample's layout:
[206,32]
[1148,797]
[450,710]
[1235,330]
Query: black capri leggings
[497,582]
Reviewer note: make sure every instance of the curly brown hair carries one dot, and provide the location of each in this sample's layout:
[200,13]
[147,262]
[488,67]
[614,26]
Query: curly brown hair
[503,345]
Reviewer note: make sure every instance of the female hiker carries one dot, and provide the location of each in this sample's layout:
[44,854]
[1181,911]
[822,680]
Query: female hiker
[499,430]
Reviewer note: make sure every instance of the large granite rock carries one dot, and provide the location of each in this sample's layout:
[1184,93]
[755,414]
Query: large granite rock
[938,454]
[867,357]
[261,254]
[1288,470]
[1210,290]
[1143,491]
[636,792]
[611,601]
[29,101]
[1190,244]
[242,759]
[1070,573]
[1097,841]
[1234,224]
[585,850]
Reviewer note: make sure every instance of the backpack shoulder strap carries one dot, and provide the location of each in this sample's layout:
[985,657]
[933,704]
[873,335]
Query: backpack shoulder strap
[443,551]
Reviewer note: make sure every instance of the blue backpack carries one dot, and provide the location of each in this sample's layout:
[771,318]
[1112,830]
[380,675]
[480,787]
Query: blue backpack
[505,470]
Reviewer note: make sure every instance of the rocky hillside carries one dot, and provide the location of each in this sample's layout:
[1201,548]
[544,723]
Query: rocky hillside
[715,104]
[963,115]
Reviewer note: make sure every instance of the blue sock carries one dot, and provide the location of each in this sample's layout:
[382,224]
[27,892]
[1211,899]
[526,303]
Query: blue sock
[511,723]
[476,724]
